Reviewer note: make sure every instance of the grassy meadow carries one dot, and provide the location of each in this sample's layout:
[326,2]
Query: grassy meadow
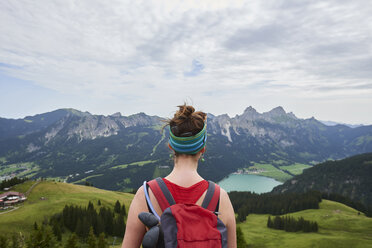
[48,198]
[271,171]
[339,226]
[296,168]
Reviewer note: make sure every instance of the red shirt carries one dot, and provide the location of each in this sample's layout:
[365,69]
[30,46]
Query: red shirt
[187,195]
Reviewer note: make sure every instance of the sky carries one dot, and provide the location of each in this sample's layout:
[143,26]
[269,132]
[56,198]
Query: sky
[313,58]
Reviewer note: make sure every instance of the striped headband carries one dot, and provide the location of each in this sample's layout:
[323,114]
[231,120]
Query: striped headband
[188,145]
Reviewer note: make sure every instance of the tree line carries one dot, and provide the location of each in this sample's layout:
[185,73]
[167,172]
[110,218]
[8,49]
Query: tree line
[245,203]
[86,225]
[290,224]
[43,237]
[11,182]
[79,220]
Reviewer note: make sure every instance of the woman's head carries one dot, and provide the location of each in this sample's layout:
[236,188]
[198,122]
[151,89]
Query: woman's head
[187,130]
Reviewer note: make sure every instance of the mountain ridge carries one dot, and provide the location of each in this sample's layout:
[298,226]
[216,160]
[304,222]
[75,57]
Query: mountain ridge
[122,151]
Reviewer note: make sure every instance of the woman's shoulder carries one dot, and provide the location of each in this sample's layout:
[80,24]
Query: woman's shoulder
[224,196]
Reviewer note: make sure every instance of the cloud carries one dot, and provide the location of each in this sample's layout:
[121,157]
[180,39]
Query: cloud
[211,51]
[266,36]
[196,69]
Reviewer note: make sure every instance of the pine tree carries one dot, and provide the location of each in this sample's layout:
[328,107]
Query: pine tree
[241,215]
[100,227]
[101,241]
[91,239]
[79,230]
[35,240]
[277,222]
[119,226]
[72,242]
[123,210]
[48,237]
[99,203]
[269,223]
[57,231]
[117,207]
[90,206]
[241,243]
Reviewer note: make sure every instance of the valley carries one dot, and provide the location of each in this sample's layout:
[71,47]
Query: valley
[119,152]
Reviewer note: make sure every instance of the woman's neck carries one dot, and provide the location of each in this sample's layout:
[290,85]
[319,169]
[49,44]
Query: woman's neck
[185,172]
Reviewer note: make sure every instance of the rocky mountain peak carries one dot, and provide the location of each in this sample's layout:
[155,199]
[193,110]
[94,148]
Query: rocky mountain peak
[117,114]
[290,114]
[250,109]
[276,111]
[250,113]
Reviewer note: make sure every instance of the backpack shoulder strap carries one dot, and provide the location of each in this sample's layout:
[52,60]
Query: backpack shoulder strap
[212,197]
[161,193]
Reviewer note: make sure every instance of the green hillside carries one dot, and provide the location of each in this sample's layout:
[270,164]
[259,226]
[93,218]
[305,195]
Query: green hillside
[48,198]
[349,177]
[339,226]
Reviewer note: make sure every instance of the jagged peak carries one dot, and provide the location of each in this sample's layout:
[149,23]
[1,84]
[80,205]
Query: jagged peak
[117,114]
[140,114]
[76,112]
[291,114]
[277,111]
[250,109]
[210,116]
[224,116]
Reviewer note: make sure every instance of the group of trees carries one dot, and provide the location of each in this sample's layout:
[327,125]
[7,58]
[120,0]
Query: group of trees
[87,225]
[39,237]
[245,203]
[15,241]
[79,220]
[11,182]
[290,224]
[43,237]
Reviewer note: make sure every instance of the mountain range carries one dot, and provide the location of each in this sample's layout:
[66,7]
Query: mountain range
[119,152]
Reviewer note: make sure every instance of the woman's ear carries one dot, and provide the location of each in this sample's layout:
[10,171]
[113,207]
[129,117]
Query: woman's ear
[170,147]
[203,150]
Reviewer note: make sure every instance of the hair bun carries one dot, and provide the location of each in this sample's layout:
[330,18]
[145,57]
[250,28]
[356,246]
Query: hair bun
[185,111]
[186,122]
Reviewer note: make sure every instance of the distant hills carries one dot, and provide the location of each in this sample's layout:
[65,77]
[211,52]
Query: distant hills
[119,152]
[350,177]
[333,123]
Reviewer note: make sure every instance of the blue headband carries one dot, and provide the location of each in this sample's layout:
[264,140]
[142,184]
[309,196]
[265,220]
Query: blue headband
[188,145]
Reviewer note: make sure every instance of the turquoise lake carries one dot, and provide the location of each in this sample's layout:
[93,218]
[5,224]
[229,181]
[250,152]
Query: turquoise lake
[248,182]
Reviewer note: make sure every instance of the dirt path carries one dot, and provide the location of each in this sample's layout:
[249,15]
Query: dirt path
[9,210]
[29,190]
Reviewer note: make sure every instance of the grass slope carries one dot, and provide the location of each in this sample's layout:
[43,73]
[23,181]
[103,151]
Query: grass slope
[271,171]
[339,226]
[56,195]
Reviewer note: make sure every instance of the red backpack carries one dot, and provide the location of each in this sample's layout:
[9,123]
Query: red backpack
[188,225]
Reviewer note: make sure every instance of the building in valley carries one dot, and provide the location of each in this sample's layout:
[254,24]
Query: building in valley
[10,198]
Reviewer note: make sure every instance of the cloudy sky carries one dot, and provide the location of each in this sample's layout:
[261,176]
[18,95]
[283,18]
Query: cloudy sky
[314,58]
